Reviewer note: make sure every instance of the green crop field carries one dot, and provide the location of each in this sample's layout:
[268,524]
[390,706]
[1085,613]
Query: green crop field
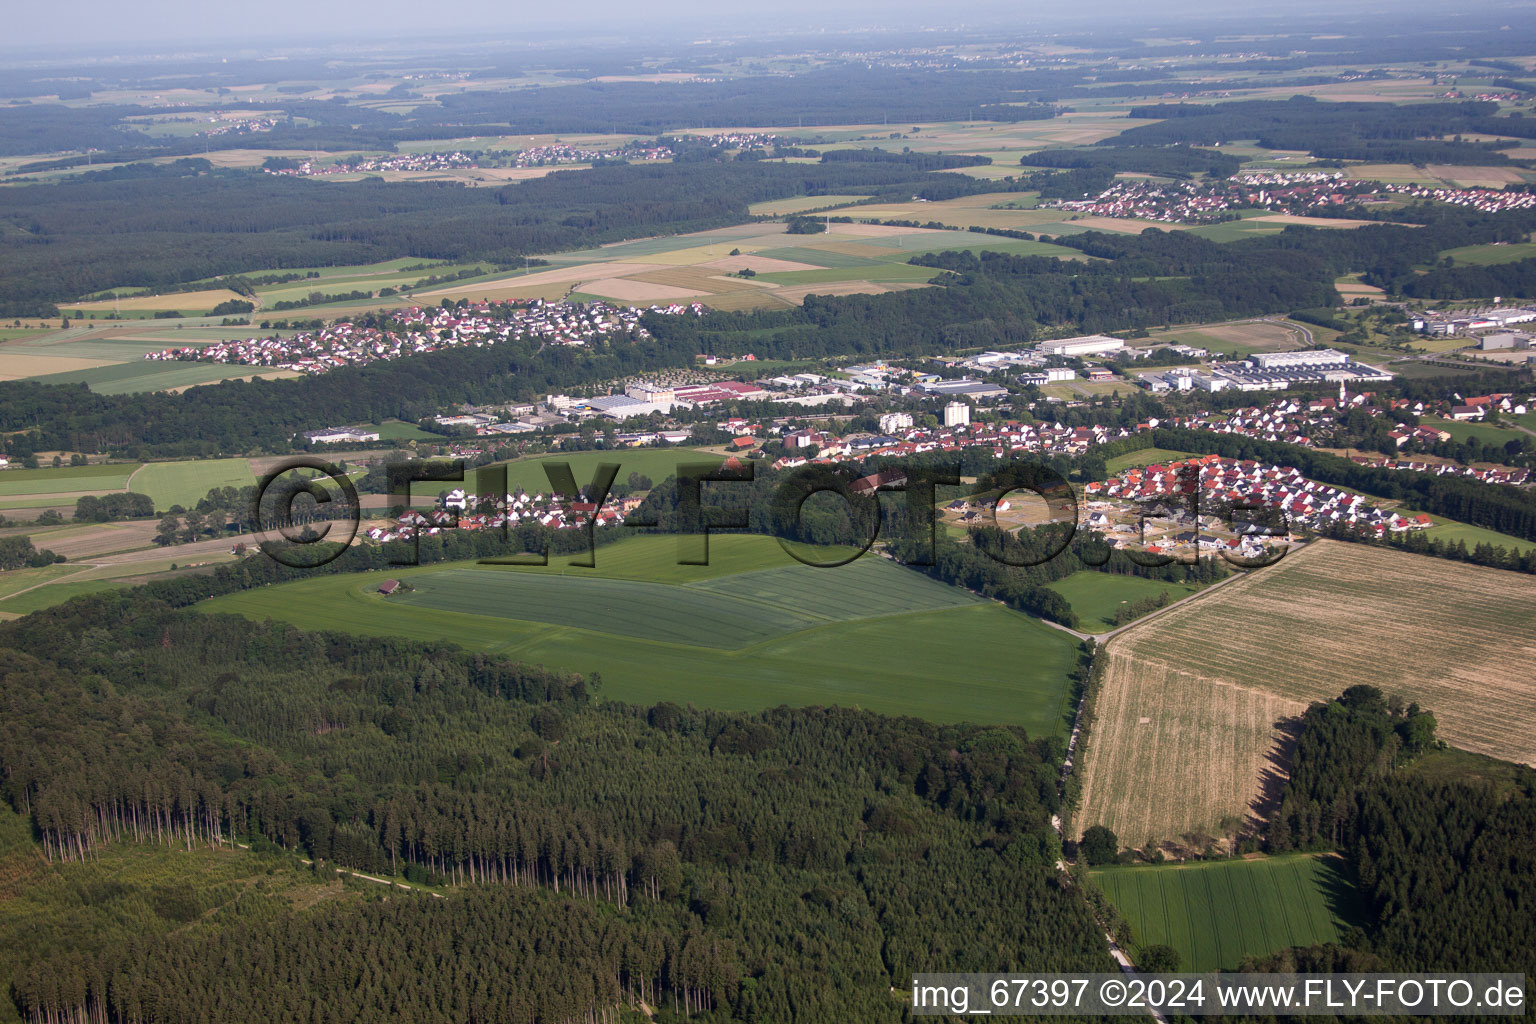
[1096,596]
[1144,457]
[147,375]
[66,479]
[1450,531]
[529,474]
[1486,433]
[753,629]
[54,593]
[396,430]
[1486,255]
[1217,912]
[183,483]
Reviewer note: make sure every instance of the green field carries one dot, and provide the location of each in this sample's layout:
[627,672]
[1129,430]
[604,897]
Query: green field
[799,204]
[529,474]
[23,579]
[149,375]
[396,430]
[1486,433]
[1144,457]
[1450,531]
[1215,913]
[1096,596]
[54,593]
[184,483]
[753,629]
[66,479]
[1491,253]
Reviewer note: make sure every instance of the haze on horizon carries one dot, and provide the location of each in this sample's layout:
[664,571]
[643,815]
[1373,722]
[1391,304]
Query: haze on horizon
[101,25]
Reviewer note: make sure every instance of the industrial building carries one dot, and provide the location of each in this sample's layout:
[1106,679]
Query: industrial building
[1086,345]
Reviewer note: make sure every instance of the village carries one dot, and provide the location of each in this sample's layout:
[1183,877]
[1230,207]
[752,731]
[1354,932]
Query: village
[423,330]
[1298,192]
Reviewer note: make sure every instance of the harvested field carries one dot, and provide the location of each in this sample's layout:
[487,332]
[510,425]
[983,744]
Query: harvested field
[1173,753]
[1311,222]
[1214,676]
[798,294]
[171,300]
[760,264]
[630,290]
[16,366]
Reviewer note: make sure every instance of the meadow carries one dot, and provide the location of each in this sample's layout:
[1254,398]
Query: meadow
[1144,457]
[752,629]
[97,478]
[1191,732]
[1097,596]
[1486,433]
[184,483]
[1215,913]
[530,475]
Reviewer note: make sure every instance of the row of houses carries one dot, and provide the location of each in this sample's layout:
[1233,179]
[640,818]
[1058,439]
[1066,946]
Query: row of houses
[1257,486]
[463,510]
[418,331]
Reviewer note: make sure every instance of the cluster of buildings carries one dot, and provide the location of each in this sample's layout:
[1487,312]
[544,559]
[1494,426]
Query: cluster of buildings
[1254,490]
[1297,192]
[1269,371]
[554,154]
[1001,440]
[462,510]
[394,162]
[1319,423]
[419,331]
[1495,319]
[1208,202]
[1488,200]
[243,127]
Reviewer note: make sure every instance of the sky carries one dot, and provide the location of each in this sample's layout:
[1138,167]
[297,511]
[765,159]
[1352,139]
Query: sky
[98,24]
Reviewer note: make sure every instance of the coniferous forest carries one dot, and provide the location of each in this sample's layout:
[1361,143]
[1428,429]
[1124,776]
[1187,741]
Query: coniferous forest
[597,855]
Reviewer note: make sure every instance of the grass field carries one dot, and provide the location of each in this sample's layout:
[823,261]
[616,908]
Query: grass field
[1486,433]
[1096,596]
[529,473]
[1144,457]
[183,483]
[1491,253]
[1450,531]
[1240,338]
[1190,735]
[753,629]
[798,204]
[97,479]
[1215,913]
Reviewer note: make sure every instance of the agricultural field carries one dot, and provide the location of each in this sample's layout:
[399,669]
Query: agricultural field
[1450,531]
[1241,338]
[1215,913]
[1192,728]
[183,483]
[798,204]
[1097,596]
[1144,457]
[752,629]
[1491,253]
[1486,433]
[847,259]
[93,479]
[529,473]
[109,358]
